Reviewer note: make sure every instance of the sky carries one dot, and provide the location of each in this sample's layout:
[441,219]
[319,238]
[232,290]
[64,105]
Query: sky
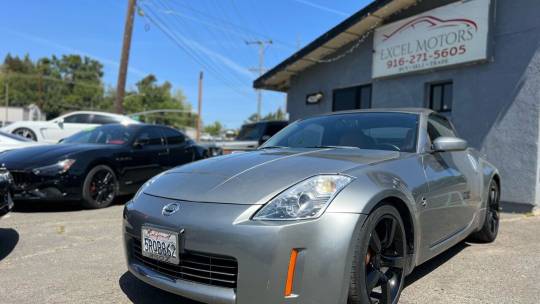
[175,40]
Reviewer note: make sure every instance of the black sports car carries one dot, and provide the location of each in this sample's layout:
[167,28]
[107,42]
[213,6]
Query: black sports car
[5,198]
[97,165]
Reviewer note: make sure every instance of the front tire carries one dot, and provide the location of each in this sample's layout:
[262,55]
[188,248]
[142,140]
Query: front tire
[100,187]
[489,231]
[379,262]
[26,133]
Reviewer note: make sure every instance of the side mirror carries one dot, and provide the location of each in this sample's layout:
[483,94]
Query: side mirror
[60,122]
[443,144]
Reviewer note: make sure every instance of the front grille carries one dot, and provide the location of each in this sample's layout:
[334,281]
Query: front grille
[197,267]
[21,179]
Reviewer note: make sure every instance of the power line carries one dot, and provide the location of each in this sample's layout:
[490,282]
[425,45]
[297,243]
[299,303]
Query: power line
[215,19]
[238,13]
[195,48]
[154,19]
[215,66]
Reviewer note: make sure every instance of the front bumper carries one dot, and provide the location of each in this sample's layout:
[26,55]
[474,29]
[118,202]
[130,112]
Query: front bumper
[6,203]
[28,186]
[262,250]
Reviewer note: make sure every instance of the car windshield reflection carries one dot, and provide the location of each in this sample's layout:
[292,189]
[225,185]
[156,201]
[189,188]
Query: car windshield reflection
[105,135]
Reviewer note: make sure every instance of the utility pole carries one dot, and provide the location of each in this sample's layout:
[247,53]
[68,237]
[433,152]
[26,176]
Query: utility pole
[199,111]
[122,73]
[260,70]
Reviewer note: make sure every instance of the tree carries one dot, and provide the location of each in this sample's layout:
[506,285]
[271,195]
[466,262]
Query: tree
[278,115]
[214,129]
[56,85]
[72,82]
[149,95]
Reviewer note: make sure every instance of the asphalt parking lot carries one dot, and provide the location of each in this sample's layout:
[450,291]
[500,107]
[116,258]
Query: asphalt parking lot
[61,254]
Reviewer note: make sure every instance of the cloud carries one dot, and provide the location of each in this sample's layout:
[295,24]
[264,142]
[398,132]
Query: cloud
[323,8]
[50,43]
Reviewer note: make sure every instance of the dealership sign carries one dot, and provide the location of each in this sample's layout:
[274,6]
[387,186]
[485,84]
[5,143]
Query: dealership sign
[451,34]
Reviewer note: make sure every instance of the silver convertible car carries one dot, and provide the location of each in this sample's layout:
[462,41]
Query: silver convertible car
[336,208]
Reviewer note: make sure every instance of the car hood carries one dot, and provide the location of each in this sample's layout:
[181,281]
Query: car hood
[31,157]
[11,146]
[255,177]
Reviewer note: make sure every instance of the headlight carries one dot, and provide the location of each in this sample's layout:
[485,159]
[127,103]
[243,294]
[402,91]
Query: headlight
[306,200]
[60,167]
[5,176]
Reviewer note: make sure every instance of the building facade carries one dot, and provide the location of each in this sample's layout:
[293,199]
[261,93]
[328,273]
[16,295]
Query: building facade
[12,114]
[476,61]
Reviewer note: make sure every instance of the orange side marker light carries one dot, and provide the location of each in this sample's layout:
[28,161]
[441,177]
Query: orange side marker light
[290,273]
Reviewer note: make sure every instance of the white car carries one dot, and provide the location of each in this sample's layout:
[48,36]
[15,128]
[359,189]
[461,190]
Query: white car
[11,142]
[64,126]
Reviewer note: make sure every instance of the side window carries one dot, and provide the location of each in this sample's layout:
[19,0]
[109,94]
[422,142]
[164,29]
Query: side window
[173,137]
[77,118]
[439,126]
[102,120]
[150,136]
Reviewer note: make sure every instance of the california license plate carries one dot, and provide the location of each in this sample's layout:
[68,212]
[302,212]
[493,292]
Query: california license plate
[161,245]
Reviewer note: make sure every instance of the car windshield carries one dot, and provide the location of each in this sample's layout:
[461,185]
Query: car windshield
[251,132]
[366,130]
[105,135]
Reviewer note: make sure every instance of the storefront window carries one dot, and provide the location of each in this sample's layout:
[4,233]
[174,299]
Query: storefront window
[440,96]
[352,98]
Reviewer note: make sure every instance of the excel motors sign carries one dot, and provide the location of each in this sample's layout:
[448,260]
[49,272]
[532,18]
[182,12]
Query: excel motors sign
[448,35]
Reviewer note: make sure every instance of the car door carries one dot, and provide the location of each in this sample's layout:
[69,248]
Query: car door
[447,208]
[179,147]
[149,156]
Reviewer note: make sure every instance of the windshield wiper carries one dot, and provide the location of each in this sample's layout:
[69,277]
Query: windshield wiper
[272,147]
[332,147]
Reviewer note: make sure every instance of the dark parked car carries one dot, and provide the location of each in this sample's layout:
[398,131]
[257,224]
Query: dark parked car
[5,198]
[97,165]
[252,135]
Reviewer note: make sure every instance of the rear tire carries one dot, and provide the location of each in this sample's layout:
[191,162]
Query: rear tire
[490,229]
[26,133]
[379,262]
[100,187]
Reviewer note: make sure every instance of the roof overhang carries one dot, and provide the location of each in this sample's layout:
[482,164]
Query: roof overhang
[348,31]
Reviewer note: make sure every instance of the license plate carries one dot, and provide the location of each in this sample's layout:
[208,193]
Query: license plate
[161,245]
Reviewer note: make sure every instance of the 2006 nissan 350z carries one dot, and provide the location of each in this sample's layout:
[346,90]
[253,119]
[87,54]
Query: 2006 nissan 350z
[332,209]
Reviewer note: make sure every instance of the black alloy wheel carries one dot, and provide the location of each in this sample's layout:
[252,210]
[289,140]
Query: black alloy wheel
[26,133]
[100,187]
[489,231]
[380,260]
[493,208]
